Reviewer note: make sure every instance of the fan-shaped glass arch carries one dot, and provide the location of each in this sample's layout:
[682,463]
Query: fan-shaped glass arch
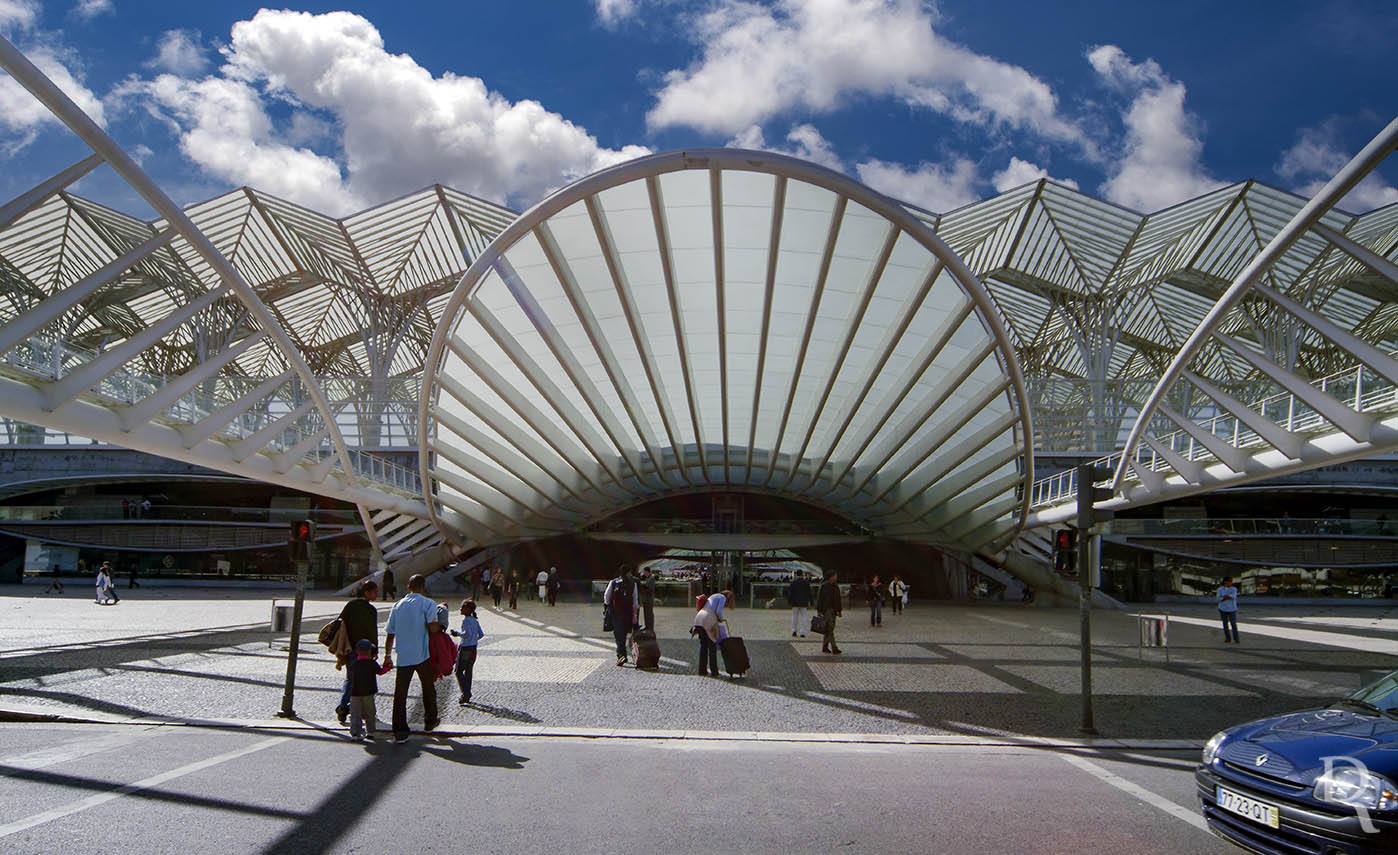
[723,320]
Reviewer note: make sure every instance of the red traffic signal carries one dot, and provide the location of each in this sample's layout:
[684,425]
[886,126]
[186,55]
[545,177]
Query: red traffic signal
[300,538]
[1065,552]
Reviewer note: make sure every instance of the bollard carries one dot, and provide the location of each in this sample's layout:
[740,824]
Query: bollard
[1154,631]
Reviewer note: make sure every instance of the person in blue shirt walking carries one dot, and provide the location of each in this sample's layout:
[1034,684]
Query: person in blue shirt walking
[470,635]
[1227,597]
[410,623]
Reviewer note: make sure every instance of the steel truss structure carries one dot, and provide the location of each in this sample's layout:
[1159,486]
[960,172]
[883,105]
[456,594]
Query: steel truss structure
[725,319]
[703,321]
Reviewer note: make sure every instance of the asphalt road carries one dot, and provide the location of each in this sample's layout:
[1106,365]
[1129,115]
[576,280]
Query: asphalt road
[175,789]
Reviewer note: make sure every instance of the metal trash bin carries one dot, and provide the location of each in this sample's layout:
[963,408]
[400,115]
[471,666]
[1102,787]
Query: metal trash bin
[1154,632]
[282,617]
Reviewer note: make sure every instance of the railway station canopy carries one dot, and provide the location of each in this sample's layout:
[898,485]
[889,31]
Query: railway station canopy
[712,320]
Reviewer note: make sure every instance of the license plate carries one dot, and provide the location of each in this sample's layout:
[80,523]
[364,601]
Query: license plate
[1249,807]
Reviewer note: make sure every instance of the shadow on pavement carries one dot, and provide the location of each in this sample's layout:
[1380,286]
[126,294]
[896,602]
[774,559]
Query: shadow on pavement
[74,782]
[340,811]
[505,712]
[44,663]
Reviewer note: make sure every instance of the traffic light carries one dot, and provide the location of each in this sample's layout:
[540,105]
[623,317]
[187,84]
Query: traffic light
[1065,552]
[1089,495]
[300,538]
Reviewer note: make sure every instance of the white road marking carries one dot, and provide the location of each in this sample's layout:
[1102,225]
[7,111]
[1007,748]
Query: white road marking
[1194,818]
[1053,633]
[45,757]
[863,705]
[126,789]
[1363,643]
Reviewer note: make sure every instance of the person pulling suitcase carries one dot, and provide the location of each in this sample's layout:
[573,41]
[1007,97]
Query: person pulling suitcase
[710,629]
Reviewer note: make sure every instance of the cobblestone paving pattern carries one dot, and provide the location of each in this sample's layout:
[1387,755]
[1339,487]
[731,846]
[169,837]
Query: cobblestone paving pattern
[984,669]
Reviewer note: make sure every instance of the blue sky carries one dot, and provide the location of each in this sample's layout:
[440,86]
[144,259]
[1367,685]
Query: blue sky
[940,104]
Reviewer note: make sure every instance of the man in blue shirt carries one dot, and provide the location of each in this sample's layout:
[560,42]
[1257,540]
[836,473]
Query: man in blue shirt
[412,620]
[1227,597]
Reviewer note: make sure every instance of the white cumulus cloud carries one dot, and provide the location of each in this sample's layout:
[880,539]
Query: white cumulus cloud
[613,12]
[227,131]
[938,187]
[1021,172]
[18,14]
[179,52]
[394,126]
[1314,159]
[1163,159]
[22,115]
[804,141]
[89,9]
[760,61]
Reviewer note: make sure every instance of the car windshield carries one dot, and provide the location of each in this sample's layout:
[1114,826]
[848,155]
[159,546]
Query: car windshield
[1382,696]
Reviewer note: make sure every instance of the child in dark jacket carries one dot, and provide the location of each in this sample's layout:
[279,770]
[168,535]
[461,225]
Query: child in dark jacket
[364,674]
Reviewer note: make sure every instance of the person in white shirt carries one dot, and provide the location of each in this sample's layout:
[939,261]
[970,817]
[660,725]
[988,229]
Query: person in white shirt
[1227,597]
[898,592]
[542,580]
[106,588]
[410,623]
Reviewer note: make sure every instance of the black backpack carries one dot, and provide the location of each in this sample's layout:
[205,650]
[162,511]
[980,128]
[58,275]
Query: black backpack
[621,598]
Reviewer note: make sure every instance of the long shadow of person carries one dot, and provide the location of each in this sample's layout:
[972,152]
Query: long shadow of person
[505,712]
[321,829]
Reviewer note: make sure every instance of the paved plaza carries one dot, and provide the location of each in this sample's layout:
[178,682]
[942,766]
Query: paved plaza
[950,727]
[935,673]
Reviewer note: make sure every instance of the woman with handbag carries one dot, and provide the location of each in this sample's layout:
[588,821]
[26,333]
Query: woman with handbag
[360,620]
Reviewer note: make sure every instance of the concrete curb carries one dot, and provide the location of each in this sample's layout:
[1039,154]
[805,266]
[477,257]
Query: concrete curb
[31,715]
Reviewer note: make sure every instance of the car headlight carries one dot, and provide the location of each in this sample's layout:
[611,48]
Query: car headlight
[1356,788]
[1211,747]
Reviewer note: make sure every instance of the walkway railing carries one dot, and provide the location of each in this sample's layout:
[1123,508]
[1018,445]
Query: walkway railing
[1359,388]
[672,525]
[1256,527]
[52,359]
[173,513]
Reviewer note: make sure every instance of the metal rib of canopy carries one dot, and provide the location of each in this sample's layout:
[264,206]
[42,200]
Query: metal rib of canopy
[1098,299]
[176,316]
[723,319]
[1293,420]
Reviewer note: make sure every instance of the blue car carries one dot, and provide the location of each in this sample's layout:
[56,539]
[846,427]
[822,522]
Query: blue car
[1320,782]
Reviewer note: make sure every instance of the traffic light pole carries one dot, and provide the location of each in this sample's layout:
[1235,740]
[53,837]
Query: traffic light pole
[1085,612]
[1088,495]
[302,568]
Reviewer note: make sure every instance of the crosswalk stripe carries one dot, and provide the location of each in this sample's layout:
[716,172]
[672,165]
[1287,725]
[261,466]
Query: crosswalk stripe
[1150,798]
[126,789]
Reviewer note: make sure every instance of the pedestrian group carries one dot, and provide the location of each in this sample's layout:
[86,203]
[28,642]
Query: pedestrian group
[418,630]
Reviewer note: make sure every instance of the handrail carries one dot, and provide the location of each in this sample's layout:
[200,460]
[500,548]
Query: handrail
[51,359]
[1334,190]
[1370,392]
[1256,527]
[163,513]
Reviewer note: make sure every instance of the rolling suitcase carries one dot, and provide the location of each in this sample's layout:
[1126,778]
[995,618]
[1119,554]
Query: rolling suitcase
[735,656]
[645,650]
